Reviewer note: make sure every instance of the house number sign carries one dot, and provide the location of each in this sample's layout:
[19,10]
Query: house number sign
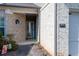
[62,25]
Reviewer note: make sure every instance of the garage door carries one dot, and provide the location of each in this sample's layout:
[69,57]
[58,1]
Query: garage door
[74,34]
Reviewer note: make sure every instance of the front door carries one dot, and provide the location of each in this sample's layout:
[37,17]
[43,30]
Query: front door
[74,34]
[31,29]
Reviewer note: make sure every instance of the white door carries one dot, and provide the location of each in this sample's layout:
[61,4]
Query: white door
[74,34]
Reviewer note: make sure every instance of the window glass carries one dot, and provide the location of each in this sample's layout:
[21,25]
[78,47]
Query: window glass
[2,22]
[2,30]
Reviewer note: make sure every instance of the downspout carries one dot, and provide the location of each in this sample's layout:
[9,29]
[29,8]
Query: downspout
[55,29]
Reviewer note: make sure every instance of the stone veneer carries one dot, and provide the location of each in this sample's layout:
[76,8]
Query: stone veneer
[63,33]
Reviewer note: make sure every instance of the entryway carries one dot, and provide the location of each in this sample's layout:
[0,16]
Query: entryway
[31,26]
[74,34]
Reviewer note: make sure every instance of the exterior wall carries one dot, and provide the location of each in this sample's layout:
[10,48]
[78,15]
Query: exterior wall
[62,33]
[63,10]
[19,30]
[47,28]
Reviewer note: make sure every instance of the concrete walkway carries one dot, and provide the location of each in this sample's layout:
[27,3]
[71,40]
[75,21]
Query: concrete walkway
[28,50]
[37,51]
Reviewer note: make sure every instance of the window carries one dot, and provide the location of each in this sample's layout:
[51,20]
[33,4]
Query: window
[2,22]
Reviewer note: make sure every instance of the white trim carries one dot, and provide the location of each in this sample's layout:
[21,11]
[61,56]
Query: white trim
[44,6]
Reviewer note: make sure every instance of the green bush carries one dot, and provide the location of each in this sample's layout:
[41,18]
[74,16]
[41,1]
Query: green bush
[1,34]
[12,42]
[1,40]
[9,41]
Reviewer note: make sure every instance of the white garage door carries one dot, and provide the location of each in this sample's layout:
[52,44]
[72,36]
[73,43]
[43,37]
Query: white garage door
[74,34]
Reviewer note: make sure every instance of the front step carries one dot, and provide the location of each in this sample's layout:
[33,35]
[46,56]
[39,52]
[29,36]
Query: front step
[27,42]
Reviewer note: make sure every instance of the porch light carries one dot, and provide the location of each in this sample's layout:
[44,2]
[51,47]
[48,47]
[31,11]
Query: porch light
[8,11]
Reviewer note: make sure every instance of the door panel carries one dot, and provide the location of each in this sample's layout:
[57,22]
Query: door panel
[74,34]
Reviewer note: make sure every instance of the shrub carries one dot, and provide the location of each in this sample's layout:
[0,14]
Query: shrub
[12,42]
[9,41]
[1,40]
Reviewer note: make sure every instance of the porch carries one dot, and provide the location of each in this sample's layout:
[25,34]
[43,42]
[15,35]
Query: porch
[24,26]
[22,23]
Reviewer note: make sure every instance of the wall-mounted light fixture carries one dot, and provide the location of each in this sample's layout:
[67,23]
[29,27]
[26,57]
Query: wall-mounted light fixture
[17,21]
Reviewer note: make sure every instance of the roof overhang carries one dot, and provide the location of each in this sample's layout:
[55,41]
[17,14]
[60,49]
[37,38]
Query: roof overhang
[23,5]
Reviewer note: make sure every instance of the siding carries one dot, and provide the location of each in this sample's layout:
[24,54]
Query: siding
[47,29]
